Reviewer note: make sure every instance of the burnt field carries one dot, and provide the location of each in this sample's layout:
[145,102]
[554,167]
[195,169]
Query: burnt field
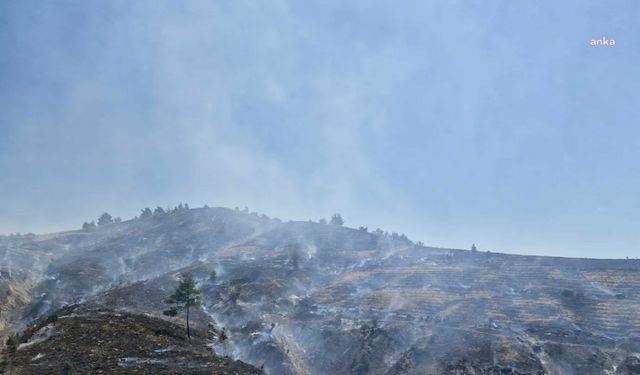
[310,298]
[424,310]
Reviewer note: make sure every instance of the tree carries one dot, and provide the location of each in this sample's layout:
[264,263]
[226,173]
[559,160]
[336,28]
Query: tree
[117,220]
[474,248]
[105,219]
[322,221]
[186,296]
[158,211]
[146,213]
[89,226]
[336,219]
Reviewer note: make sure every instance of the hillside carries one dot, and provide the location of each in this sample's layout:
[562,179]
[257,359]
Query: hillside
[311,298]
[109,342]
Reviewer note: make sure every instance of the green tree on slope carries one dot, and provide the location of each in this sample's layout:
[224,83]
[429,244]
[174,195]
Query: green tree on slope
[186,296]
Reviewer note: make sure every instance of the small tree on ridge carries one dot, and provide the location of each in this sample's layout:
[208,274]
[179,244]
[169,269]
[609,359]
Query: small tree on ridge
[105,219]
[336,219]
[146,213]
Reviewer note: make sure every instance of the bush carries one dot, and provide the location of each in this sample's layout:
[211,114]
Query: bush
[88,226]
[567,293]
[27,334]
[170,312]
[12,343]
[67,368]
[223,335]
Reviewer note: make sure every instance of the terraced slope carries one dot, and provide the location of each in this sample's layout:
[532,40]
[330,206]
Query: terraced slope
[436,311]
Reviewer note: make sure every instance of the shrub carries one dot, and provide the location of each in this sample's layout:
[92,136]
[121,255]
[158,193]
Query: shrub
[12,343]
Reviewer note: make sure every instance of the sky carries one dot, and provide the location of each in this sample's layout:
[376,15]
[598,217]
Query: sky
[455,122]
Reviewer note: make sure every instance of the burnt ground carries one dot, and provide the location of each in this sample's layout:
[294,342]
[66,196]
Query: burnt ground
[311,298]
[112,342]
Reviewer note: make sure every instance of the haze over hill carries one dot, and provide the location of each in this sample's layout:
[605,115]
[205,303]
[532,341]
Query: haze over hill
[315,298]
[454,122]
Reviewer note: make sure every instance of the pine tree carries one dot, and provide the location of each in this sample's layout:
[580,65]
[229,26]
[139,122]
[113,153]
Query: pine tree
[336,219]
[105,219]
[146,213]
[186,296]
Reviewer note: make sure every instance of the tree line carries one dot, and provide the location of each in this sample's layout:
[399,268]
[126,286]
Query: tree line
[106,218]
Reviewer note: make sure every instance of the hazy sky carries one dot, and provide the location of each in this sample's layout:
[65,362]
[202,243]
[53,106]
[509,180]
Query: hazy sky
[456,122]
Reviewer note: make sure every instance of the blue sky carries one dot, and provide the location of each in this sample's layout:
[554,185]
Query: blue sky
[456,122]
